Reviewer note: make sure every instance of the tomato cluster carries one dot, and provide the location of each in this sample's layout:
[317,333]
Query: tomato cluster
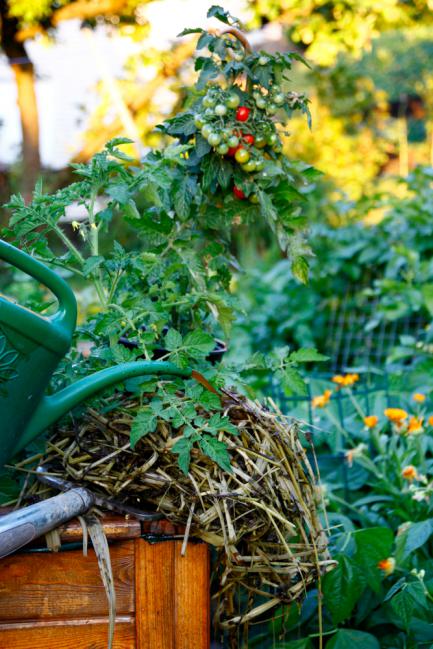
[238,125]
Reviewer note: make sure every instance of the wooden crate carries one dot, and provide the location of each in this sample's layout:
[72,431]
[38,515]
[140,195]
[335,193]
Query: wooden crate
[56,600]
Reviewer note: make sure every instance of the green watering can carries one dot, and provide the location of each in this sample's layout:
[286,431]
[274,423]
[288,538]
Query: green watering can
[31,347]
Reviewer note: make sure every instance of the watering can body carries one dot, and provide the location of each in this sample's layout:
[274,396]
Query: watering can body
[31,347]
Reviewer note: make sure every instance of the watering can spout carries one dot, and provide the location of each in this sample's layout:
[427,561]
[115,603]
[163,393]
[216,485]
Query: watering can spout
[53,407]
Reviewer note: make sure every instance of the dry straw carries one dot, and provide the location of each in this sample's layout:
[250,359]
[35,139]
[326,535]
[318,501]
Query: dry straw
[262,518]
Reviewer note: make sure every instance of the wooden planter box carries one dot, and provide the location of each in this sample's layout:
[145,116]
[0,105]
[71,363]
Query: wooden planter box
[57,600]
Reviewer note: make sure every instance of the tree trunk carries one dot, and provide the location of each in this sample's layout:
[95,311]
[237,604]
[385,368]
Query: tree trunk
[27,105]
[24,74]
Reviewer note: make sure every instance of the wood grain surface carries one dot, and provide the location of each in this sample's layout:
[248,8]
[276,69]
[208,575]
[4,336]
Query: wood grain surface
[57,600]
[44,585]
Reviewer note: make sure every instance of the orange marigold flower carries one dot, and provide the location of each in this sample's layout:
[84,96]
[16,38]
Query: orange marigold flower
[419,397]
[370,421]
[346,379]
[415,425]
[430,420]
[321,400]
[396,415]
[387,565]
[409,473]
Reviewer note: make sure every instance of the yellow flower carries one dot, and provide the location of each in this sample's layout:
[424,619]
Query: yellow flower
[75,225]
[321,400]
[396,415]
[415,425]
[419,397]
[430,420]
[370,421]
[387,566]
[409,473]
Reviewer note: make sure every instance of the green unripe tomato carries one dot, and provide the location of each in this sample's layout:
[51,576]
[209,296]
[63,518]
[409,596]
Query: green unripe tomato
[261,103]
[198,121]
[233,141]
[260,164]
[238,56]
[220,110]
[214,139]
[279,98]
[206,131]
[208,113]
[254,199]
[271,109]
[249,166]
[222,148]
[208,101]
[233,100]
[260,141]
[272,139]
[242,156]
[263,60]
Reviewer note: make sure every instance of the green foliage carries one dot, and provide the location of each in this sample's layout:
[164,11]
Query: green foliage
[168,294]
[388,262]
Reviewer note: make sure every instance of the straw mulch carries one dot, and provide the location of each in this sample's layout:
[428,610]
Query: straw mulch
[262,518]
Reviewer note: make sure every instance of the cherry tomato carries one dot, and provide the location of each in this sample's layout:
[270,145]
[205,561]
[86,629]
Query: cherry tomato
[231,152]
[271,109]
[238,193]
[220,110]
[238,56]
[261,103]
[249,139]
[260,164]
[242,156]
[233,100]
[279,98]
[198,121]
[254,198]
[242,113]
[208,101]
[260,141]
[222,149]
[233,141]
[263,60]
[206,131]
[214,139]
[272,139]
[249,166]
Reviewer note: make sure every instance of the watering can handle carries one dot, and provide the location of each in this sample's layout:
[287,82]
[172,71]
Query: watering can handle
[66,315]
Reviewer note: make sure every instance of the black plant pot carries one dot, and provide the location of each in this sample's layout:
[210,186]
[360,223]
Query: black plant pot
[215,356]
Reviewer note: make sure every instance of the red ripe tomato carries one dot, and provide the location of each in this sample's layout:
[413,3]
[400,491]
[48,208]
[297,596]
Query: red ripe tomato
[238,193]
[232,150]
[242,113]
[249,139]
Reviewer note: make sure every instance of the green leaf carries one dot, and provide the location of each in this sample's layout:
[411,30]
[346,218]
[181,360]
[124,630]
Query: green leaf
[300,269]
[198,343]
[182,196]
[342,588]
[307,355]
[91,264]
[144,423]
[414,537]
[173,340]
[216,11]
[292,380]
[427,294]
[217,451]
[403,605]
[351,639]
[182,449]
[372,545]
[119,192]
[194,30]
